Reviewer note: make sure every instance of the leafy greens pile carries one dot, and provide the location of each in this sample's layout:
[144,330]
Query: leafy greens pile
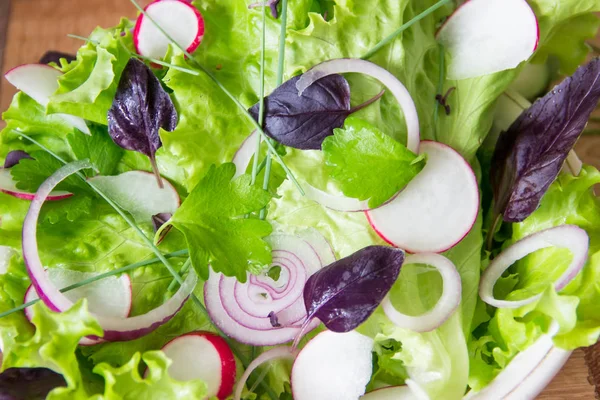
[85,234]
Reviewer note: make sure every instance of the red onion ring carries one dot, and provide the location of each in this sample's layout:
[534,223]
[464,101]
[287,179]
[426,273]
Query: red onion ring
[565,236]
[446,305]
[243,314]
[270,355]
[115,328]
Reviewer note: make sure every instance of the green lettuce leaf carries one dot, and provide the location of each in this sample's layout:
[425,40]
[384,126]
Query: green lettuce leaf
[368,164]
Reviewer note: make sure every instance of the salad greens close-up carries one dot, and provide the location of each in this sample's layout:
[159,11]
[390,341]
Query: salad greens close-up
[308,199]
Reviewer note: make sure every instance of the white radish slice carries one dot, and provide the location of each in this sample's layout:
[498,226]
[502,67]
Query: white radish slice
[110,296]
[204,356]
[138,193]
[540,355]
[269,355]
[40,82]
[348,65]
[8,186]
[411,391]
[565,236]
[446,305]
[6,253]
[333,366]
[180,19]
[487,36]
[115,328]
[436,210]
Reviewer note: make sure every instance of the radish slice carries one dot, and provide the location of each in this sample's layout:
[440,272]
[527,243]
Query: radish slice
[346,65]
[8,186]
[565,236]
[333,366]
[487,36]
[244,154]
[411,391]
[110,296]
[180,19]
[6,253]
[525,365]
[245,311]
[436,210]
[446,305]
[40,82]
[115,328]
[138,193]
[204,356]
[267,356]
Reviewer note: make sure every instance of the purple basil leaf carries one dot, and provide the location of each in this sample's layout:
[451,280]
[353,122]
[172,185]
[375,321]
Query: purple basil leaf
[303,122]
[529,156]
[55,56]
[273,5]
[14,157]
[140,108]
[159,220]
[274,320]
[344,294]
[28,383]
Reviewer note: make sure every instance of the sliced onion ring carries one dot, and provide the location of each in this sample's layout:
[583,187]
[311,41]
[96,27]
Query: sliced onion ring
[565,236]
[282,352]
[244,154]
[115,328]
[446,305]
[346,65]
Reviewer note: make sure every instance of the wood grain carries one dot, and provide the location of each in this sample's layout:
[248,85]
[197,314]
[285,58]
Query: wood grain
[36,26]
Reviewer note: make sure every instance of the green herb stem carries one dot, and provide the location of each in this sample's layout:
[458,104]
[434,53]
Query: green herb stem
[404,27]
[122,270]
[492,232]
[182,271]
[212,77]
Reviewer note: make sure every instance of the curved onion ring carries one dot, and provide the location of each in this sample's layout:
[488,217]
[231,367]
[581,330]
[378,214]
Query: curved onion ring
[565,236]
[446,305]
[115,328]
[244,154]
[345,65]
[243,310]
[270,355]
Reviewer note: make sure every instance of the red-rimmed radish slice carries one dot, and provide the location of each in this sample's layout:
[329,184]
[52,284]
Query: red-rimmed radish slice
[262,311]
[333,366]
[244,154]
[8,186]
[410,391]
[538,362]
[565,236]
[110,296]
[138,193]
[204,356]
[348,65]
[436,210]
[487,36]
[446,305]
[6,253]
[276,353]
[180,19]
[40,82]
[115,328]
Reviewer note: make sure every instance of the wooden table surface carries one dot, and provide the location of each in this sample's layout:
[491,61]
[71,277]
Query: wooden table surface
[35,26]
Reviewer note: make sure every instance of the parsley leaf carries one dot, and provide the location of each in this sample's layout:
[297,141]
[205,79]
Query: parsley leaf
[367,163]
[98,147]
[212,220]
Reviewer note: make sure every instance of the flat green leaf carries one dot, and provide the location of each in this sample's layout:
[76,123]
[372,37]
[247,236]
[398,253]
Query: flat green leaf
[98,147]
[368,164]
[212,220]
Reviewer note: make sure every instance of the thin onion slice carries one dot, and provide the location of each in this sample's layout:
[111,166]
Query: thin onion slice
[276,353]
[565,236]
[446,305]
[263,311]
[346,65]
[115,328]
[244,154]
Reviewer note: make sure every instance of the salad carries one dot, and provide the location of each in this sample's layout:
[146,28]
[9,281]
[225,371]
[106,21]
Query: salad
[311,199]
